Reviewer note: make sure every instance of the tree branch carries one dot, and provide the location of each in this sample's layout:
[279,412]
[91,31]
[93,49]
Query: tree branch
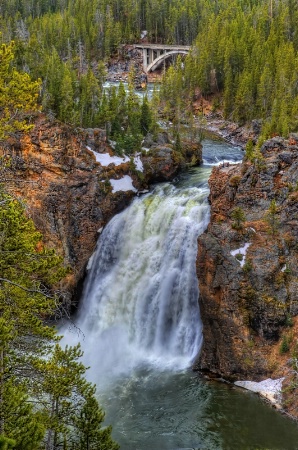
[34,291]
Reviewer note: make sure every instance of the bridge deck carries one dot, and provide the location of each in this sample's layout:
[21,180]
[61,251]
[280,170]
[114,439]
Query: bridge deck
[163,47]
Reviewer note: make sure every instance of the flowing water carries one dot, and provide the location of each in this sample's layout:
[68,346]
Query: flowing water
[141,329]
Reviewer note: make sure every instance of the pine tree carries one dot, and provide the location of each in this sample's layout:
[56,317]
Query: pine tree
[62,385]
[18,94]
[66,107]
[146,116]
[249,151]
[43,392]
[178,145]
[272,217]
[52,82]
[89,98]
[72,413]
[21,422]
[88,426]
[26,267]
[239,217]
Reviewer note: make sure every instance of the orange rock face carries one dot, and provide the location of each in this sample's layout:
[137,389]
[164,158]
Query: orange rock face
[67,193]
[61,183]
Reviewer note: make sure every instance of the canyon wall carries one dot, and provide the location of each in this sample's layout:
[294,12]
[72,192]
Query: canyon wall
[54,171]
[247,265]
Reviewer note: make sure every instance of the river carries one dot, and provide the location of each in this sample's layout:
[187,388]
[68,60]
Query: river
[141,329]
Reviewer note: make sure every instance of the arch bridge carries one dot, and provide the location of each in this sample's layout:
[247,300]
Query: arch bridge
[155,54]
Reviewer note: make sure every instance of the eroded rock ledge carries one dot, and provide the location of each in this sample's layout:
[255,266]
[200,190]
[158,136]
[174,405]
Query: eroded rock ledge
[249,302]
[55,170]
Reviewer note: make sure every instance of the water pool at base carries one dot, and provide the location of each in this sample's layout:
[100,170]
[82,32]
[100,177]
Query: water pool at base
[171,411]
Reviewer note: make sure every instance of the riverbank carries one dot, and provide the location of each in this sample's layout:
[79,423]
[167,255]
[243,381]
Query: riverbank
[231,132]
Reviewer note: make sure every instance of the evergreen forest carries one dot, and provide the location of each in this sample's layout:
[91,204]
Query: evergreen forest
[245,51]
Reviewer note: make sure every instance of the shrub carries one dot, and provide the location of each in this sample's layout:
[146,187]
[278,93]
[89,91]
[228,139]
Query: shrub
[235,181]
[284,346]
[289,321]
[247,266]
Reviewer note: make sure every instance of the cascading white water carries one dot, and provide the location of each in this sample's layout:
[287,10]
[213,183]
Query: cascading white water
[140,317]
[140,304]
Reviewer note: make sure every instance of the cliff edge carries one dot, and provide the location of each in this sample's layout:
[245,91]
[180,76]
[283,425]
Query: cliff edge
[71,182]
[247,266]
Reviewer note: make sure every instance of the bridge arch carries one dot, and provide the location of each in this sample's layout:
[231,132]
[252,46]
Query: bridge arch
[155,54]
[160,59]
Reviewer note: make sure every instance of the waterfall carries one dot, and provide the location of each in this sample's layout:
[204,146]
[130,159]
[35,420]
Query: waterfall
[140,302]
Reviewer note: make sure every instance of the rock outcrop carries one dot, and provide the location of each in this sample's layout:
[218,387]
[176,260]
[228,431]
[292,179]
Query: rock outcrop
[162,162]
[247,265]
[56,171]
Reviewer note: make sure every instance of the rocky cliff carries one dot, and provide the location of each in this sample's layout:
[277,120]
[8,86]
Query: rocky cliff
[247,265]
[68,181]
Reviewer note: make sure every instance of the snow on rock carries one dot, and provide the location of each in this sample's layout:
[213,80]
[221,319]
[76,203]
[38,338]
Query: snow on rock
[105,159]
[123,184]
[138,163]
[241,251]
[270,389]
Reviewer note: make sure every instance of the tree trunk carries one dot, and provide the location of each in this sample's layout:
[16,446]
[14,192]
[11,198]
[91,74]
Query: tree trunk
[49,445]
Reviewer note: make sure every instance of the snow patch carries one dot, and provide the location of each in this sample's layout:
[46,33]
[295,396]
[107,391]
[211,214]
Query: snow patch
[105,159]
[270,389]
[123,184]
[138,163]
[241,251]
[146,149]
